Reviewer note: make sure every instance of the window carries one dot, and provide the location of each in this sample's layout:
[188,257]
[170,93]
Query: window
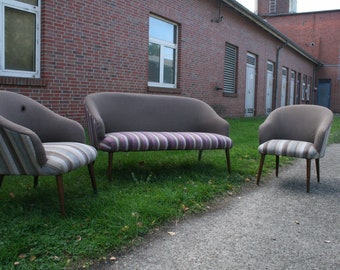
[19,38]
[230,69]
[162,53]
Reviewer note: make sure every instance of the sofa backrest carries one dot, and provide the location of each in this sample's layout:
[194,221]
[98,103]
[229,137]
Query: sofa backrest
[146,112]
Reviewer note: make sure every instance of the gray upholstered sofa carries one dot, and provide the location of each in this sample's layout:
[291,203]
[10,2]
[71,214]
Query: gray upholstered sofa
[141,122]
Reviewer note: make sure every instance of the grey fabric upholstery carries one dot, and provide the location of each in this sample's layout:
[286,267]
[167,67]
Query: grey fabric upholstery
[299,131]
[152,121]
[36,141]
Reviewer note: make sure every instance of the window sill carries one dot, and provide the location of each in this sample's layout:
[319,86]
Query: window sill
[225,94]
[152,89]
[22,81]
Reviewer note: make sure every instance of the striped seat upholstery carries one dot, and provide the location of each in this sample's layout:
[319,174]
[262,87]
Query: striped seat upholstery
[152,141]
[290,148]
[66,156]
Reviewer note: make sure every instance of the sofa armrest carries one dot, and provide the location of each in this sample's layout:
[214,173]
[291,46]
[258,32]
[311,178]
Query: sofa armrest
[95,124]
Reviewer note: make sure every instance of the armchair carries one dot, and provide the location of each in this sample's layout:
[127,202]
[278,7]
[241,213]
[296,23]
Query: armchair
[299,131]
[36,141]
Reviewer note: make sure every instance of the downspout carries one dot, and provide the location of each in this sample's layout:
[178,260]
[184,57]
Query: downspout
[276,103]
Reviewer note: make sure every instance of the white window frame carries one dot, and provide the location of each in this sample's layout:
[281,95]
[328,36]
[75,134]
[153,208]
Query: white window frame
[26,8]
[164,44]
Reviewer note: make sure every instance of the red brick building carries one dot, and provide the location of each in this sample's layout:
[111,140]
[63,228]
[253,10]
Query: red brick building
[57,52]
[318,33]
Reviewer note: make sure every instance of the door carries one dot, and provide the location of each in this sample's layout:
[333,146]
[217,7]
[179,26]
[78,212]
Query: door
[269,87]
[292,87]
[250,85]
[324,92]
[284,87]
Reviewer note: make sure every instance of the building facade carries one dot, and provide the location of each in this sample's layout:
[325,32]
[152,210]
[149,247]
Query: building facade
[318,33]
[57,52]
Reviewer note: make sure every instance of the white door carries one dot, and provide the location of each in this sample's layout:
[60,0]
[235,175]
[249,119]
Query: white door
[284,87]
[269,87]
[250,85]
[292,88]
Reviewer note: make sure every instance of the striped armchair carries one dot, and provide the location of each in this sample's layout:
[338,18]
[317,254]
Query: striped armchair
[36,141]
[299,131]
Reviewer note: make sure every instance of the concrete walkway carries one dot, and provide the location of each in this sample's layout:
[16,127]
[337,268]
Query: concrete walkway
[274,226]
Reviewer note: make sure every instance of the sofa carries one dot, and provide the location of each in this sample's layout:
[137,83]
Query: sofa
[123,122]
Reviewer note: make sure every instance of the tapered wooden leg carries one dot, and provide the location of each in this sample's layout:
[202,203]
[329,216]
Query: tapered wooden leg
[200,155]
[260,169]
[35,182]
[93,179]
[1,179]
[60,186]
[227,154]
[109,172]
[308,174]
[277,163]
[317,165]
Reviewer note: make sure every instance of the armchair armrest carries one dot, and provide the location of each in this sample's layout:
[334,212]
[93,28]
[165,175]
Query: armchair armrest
[11,133]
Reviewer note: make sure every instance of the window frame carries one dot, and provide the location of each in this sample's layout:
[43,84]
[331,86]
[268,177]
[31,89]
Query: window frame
[36,10]
[165,44]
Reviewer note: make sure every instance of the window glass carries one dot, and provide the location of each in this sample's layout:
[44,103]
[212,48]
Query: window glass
[31,2]
[19,40]
[169,65]
[154,62]
[161,30]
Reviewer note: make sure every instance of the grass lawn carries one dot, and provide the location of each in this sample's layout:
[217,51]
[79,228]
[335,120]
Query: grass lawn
[149,189]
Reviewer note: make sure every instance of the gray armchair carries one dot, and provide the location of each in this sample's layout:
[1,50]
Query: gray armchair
[299,131]
[36,141]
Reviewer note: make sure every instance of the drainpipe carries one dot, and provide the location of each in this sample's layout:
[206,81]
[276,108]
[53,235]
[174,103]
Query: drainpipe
[276,102]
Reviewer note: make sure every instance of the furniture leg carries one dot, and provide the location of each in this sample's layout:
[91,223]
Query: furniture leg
[317,165]
[60,186]
[35,182]
[277,163]
[93,179]
[1,179]
[308,174]
[260,169]
[200,155]
[228,160]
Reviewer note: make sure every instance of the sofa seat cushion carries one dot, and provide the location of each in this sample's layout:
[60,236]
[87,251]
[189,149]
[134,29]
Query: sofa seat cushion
[149,141]
[66,156]
[291,148]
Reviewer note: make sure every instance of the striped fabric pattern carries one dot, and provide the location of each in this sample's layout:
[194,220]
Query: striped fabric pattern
[291,148]
[149,141]
[66,156]
[17,154]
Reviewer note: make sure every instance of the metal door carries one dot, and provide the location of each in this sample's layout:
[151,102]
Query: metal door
[250,85]
[269,88]
[292,88]
[284,87]
[324,92]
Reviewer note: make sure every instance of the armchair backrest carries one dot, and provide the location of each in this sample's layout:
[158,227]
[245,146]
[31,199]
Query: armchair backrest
[49,126]
[310,123]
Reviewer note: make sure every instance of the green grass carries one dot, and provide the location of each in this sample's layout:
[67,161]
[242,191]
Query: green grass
[148,190]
